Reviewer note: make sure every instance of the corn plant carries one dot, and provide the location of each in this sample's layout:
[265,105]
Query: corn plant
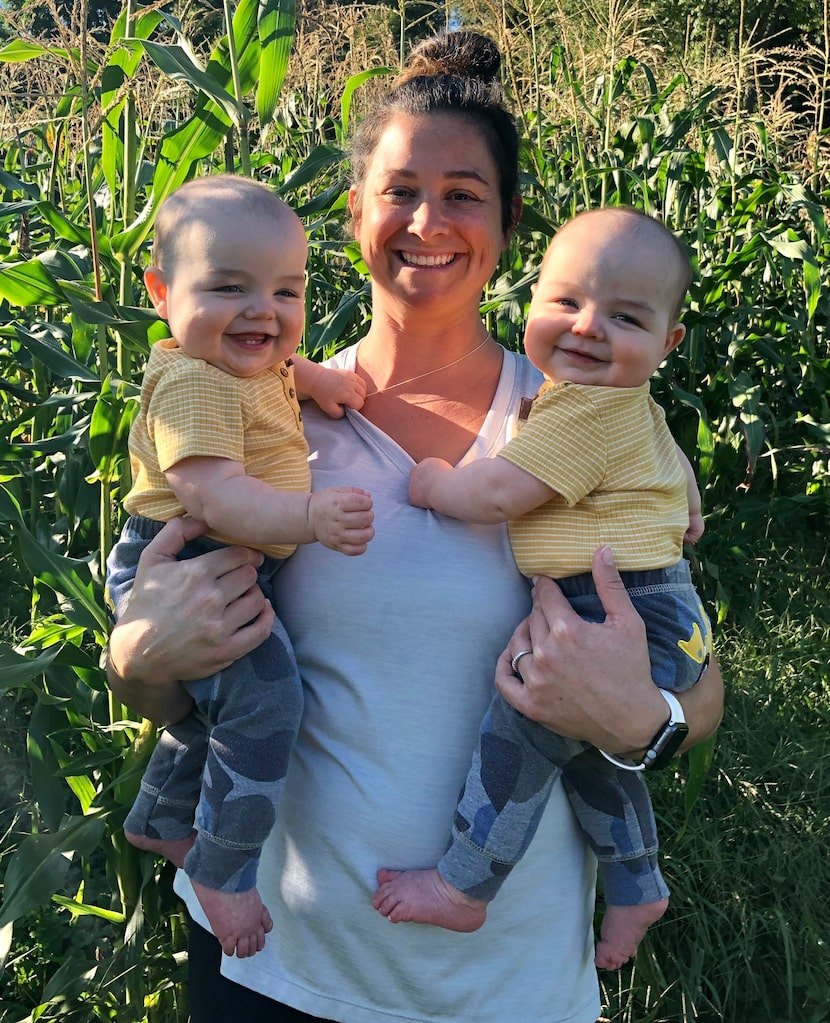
[71,337]
[89,927]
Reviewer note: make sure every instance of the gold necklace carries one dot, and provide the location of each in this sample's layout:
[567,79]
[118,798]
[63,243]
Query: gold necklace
[429,372]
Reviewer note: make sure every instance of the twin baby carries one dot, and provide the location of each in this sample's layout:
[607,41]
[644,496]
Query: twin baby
[219,437]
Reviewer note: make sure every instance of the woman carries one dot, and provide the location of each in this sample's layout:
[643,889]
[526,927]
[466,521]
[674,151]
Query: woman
[396,648]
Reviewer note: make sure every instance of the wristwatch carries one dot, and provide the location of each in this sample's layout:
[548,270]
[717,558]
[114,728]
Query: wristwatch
[662,748]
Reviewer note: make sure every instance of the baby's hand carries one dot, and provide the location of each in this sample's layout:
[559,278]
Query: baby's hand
[341,518]
[695,529]
[334,389]
[422,479]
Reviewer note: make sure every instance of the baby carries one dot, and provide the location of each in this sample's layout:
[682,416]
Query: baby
[219,437]
[595,464]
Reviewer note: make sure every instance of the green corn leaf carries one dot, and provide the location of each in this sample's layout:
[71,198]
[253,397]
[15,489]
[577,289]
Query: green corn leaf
[203,132]
[177,64]
[142,25]
[328,330]
[114,78]
[49,790]
[813,287]
[533,220]
[348,92]
[700,763]
[13,210]
[108,431]
[40,865]
[319,159]
[14,184]
[705,435]
[63,227]
[794,249]
[26,284]
[17,670]
[84,790]
[19,50]
[275,27]
[46,349]
[83,909]
[71,981]
[68,577]
[9,507]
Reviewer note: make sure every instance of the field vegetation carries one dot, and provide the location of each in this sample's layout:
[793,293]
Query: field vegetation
[714,125]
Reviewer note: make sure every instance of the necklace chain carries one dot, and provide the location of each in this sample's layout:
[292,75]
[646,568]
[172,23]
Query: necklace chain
[429,372]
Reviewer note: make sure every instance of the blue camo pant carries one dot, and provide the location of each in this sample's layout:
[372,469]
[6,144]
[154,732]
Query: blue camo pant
[221,769]
[517,761]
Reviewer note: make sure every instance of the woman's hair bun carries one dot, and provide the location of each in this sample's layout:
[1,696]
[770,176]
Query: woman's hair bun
[462,54]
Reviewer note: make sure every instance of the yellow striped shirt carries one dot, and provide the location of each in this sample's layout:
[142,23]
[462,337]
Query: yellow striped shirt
[189,408]
[609,455]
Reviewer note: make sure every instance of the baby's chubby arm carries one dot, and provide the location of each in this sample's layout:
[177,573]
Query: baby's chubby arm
[332,389]
[488,490]
[696,526]
[218,492]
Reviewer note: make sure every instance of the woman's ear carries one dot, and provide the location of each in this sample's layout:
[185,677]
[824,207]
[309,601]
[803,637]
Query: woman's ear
[353,206]
[156,287]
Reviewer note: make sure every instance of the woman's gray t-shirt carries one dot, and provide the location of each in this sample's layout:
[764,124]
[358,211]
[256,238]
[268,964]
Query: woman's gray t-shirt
[397,650]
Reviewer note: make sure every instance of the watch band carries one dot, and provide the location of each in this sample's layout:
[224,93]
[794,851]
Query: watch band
[662,748]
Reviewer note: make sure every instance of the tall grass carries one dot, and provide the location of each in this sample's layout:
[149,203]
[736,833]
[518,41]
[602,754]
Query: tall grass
[94,138]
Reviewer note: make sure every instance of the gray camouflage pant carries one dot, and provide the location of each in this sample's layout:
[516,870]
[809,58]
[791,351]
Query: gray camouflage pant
[517,761]
[221,769]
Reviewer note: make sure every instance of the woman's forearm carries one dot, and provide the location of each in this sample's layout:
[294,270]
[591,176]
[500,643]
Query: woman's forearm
[164,701]
[592,680]
[184,620]
[703,706]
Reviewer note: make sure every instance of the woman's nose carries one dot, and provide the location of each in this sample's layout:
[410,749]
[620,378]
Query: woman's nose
[428,219]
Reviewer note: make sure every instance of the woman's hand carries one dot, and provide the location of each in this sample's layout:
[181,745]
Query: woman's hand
[184,620]
[592,681]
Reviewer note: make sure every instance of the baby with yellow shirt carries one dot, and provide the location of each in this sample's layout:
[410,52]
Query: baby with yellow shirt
[219,437]
[594,465]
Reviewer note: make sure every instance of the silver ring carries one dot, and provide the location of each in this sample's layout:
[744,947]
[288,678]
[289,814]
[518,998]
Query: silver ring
[514,664]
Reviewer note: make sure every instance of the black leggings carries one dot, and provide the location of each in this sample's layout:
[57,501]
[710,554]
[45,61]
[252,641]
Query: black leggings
[215,999]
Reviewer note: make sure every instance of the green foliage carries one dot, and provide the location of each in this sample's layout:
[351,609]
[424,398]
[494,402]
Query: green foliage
[88,926]
[746,937]
[765,20]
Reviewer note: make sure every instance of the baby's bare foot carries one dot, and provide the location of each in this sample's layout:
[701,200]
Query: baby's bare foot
[424,897]
[174,850]
[238,919]
[623,928]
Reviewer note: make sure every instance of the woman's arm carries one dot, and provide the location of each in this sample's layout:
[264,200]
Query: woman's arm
[592,680]
[184,620]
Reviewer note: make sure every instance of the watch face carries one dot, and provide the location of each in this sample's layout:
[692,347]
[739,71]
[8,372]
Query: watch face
[665,745]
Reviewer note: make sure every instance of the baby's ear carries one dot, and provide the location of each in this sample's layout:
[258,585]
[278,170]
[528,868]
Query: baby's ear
[156,287]
[674,337]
